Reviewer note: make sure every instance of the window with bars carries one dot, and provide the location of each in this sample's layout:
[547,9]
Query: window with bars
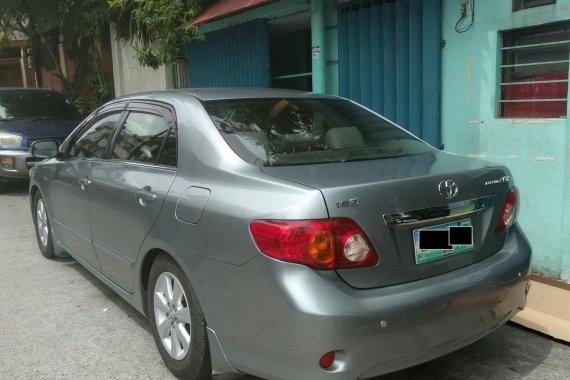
[524,4]
[534,72]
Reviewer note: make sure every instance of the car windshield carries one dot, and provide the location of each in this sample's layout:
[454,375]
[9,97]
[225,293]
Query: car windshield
[48,105]
[297,131]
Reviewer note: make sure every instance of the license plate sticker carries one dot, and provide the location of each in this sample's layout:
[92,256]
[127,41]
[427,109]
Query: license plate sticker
[436,242]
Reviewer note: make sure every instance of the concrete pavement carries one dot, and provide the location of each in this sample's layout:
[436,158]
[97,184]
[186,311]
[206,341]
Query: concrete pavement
[57,321]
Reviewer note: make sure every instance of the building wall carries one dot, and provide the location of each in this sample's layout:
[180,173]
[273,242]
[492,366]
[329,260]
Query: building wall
[130,77]
[536,150]
[290,8]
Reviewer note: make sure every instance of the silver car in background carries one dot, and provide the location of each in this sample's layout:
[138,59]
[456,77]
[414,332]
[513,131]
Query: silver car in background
[283,234]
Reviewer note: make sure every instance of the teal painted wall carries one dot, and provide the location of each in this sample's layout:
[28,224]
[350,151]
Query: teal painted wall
[331,30]
[536,150]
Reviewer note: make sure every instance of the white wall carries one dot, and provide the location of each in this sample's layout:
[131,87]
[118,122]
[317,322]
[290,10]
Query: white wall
[130,76]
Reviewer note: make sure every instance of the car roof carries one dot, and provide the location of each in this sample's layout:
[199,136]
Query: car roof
[22,90]
[240,93]
[221,93]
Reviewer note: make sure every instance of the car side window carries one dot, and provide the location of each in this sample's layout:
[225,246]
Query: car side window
[93,142]
[141,138]
[169,154]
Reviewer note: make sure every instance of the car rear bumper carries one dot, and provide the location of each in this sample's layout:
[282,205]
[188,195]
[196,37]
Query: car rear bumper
[278,320]
[23,161]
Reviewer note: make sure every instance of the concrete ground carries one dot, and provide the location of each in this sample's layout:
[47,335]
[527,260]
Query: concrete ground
[57,321]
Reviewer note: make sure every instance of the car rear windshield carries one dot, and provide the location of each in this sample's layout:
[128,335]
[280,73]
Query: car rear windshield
[297,131]
[35,106]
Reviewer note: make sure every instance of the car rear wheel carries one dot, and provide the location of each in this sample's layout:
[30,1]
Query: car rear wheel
[43,227]
[177,321]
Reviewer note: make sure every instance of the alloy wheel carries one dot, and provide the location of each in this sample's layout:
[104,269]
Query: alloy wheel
[42,222]
[172,315]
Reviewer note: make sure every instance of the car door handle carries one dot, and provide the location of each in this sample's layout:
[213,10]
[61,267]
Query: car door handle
[84,182]
[146,195]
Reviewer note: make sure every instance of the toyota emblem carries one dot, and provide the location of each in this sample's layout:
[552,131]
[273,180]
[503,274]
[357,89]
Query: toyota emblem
[448,188]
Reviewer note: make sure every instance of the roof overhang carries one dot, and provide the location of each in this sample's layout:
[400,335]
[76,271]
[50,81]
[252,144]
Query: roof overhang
[225,8]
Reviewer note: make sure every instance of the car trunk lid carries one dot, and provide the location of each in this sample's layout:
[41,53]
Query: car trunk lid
[396,196]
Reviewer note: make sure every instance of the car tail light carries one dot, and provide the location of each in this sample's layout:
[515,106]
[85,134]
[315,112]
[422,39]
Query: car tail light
[509,212]
[355,250]
[320,244]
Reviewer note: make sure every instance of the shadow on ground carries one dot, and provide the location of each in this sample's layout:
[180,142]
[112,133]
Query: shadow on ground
[14,189]
[511,352]
[123,305]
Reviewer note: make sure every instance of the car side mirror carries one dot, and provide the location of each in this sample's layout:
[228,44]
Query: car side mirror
[43,149]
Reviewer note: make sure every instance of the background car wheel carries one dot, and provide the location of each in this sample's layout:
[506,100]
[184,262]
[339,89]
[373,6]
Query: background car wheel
[177,322]
[43,227]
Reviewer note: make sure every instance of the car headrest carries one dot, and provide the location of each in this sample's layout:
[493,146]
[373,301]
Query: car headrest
[343,138]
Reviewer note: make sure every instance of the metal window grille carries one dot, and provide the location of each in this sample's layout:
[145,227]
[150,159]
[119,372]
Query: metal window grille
[534,71]
[524,4]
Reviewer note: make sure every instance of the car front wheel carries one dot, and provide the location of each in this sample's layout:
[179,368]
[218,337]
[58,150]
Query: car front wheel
[177,321]
[43,227]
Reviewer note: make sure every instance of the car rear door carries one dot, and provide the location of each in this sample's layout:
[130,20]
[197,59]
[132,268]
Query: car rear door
[129,187]
[69,192]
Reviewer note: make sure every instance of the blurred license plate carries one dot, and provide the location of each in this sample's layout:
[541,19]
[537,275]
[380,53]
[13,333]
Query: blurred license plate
[437,242]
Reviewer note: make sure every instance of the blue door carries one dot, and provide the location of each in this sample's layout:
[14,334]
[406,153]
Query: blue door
[389,60]
[237,56]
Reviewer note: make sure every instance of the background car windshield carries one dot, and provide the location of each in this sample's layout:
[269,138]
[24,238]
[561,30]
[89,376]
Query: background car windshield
[35,106]
[298,131]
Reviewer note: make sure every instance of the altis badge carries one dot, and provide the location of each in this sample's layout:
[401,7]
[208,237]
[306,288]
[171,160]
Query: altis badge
[497,181]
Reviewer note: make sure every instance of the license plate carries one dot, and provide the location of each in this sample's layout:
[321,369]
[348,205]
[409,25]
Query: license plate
[436,244]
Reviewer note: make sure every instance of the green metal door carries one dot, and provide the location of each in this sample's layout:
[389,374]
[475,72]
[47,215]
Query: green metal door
[237,56]
[389,60]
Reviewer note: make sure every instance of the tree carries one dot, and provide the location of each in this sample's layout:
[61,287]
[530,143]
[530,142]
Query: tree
[82,24]
[33,21]
[159,30]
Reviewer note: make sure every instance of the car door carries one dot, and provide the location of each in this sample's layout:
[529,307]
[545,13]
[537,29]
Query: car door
[70,193]
[129,188]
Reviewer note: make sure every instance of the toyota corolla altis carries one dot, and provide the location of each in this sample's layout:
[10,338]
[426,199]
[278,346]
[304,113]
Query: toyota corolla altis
[283,234]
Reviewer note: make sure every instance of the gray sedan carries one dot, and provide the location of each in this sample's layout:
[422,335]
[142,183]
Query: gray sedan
[283,234]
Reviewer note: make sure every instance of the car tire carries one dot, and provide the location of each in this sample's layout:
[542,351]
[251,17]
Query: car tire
[43,227]
[176,317]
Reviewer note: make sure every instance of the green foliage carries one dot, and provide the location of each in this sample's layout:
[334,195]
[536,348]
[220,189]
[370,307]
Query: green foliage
[83,26]
[28,17]
[159,30]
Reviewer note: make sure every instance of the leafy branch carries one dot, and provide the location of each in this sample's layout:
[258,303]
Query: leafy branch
[159,30]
